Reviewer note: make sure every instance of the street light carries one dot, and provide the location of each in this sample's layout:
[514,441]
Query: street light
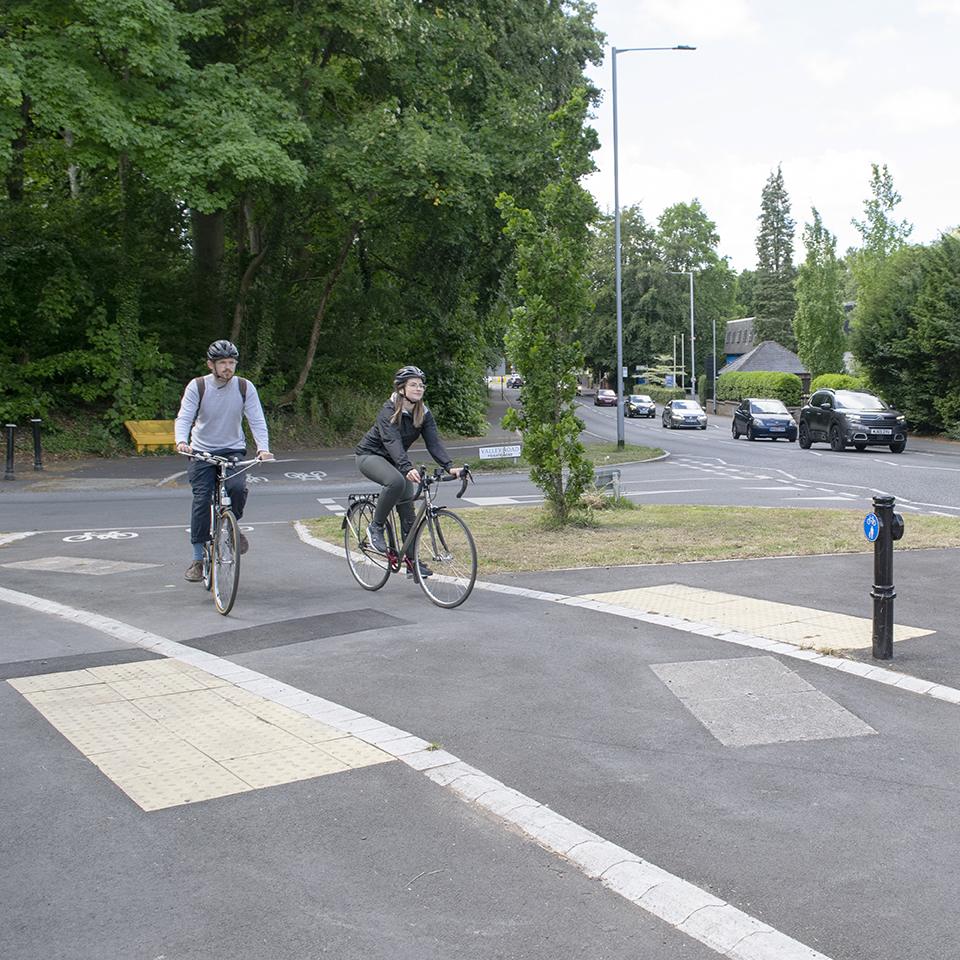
[616,203]
[693,369]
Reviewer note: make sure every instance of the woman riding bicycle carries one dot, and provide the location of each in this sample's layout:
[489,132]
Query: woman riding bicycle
[382,453]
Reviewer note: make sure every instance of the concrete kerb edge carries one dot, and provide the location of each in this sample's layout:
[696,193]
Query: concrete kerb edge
[670,898]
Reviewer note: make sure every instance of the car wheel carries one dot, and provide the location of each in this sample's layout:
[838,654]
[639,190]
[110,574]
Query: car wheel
[663,423]
[898,447]
[734,430]
[859,447]
[836,440]
[750,435]
[704,427]
[804,436]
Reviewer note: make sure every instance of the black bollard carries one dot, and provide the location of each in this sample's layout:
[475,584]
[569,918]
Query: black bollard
[890,528]
[11,429]
[37,461]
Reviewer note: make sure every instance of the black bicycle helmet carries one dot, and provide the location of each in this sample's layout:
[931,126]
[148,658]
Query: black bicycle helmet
[408,373]
[222,350]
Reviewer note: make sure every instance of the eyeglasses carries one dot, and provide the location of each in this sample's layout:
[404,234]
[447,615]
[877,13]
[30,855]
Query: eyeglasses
[416,384]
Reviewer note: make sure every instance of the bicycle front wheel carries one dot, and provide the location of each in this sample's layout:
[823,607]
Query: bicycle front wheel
[445,546]
[208,564]
[369,568]
[226,563]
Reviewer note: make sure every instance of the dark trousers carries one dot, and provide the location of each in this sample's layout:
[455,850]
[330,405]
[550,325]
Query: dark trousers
[396,487]
[203,479]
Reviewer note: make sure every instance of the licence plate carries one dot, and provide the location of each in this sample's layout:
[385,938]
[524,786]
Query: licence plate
[881,432]
[778,429]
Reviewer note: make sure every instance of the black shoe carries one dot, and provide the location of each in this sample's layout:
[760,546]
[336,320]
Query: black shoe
[194,572]
[244,544]
[376,536]
[425,571]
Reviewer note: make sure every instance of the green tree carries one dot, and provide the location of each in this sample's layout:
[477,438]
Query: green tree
[319,175]
[880,234]
[774,300]
[552,246]
[818,324]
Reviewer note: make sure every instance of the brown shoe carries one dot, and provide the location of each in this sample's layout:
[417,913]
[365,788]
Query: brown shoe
[244,544]
[194,572]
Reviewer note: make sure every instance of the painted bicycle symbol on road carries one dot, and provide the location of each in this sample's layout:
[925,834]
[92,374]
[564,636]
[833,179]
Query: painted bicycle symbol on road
[112,535]
[312,475]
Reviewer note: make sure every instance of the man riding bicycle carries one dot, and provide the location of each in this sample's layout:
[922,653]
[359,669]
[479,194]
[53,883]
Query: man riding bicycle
[211,421]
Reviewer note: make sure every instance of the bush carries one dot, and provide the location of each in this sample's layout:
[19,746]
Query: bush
[657,394]
[761,383]
[838,381]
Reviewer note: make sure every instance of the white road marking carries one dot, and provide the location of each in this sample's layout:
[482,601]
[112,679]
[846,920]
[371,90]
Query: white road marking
[685,906]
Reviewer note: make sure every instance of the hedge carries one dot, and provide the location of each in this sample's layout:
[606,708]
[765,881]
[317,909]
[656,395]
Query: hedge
[838,381]
[761,383]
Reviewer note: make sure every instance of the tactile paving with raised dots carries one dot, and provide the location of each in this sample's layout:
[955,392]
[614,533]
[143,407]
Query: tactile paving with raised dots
[801,626]
[168,733]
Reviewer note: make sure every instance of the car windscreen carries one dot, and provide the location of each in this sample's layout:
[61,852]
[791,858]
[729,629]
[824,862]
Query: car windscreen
[685,405]
[848,400]
[768,406]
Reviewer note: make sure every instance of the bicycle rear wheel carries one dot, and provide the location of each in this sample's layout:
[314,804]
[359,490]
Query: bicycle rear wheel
[226,563]
[369,568]
[445,545]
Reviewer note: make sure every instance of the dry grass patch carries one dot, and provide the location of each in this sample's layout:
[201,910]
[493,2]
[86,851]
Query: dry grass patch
[515,539]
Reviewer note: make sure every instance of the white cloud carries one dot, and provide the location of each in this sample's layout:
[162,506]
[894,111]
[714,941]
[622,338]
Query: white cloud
[826,69]
[919,108]
[704,19]
[949,7]
[875,36]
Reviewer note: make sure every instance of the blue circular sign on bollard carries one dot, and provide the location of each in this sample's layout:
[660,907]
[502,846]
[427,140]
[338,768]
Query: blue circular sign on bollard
[871,527]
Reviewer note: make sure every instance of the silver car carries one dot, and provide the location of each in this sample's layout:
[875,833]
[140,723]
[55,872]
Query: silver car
[684,413]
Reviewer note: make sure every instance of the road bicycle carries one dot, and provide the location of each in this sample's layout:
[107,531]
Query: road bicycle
[438,542]
[221,553]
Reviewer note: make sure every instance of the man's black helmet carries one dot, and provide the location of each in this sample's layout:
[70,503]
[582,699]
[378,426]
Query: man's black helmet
[222,350]
[408,373]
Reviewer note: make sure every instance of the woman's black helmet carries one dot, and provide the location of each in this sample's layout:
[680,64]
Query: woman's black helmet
[222,350]
[408,373]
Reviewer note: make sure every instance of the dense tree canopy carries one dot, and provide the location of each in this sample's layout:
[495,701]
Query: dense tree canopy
[315,181]
[655,305]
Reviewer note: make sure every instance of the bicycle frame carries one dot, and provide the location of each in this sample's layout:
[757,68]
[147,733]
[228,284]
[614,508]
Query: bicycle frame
[396,556]
[221,552]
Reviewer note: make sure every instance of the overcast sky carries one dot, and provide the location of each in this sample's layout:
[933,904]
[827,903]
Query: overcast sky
[822,87]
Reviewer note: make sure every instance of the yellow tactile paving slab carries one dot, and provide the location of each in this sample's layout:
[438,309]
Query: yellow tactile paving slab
[168,733]
[801,626]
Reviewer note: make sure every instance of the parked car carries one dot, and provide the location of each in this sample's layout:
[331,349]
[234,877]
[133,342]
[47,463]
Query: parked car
[514,381]
[763,418]
[640,405]
[684,413]
[857,417]
[605,398]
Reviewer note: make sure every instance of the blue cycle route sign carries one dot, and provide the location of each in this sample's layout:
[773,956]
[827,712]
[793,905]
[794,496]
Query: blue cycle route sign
[871,527]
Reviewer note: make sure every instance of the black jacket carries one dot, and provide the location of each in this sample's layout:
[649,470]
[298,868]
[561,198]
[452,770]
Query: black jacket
[391,440]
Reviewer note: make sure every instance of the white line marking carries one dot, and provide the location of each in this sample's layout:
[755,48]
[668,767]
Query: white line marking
[683,905]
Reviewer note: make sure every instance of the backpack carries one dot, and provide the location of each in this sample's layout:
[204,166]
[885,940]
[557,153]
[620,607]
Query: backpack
[201,383]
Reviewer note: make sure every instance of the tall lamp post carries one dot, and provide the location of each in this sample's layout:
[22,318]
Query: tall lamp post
[693,369]
[616,203]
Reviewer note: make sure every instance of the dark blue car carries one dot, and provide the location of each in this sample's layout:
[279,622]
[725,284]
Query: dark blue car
[756,418]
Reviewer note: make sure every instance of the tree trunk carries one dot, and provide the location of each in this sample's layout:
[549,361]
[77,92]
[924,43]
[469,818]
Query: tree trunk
[209,246]
[292,395]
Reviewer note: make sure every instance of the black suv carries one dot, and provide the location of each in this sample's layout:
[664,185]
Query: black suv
[857,417]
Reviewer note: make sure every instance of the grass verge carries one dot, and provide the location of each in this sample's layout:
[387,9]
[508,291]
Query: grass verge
[517,539]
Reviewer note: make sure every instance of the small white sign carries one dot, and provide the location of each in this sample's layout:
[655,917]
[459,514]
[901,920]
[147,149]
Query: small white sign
[499,453]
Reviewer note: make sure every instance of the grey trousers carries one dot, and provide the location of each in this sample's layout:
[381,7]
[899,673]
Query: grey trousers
[396,487]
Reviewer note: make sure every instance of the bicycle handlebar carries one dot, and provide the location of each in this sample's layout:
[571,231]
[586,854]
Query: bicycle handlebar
[439,476]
